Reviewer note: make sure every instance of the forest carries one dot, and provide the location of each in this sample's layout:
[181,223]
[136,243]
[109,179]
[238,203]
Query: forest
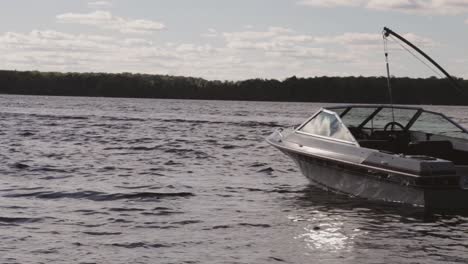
[316,89]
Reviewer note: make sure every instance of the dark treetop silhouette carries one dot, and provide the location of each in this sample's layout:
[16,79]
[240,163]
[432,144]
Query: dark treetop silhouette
[318,89]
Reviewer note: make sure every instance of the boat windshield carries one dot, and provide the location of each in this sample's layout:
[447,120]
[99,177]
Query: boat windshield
[407,118]
[327,124]
[378,117]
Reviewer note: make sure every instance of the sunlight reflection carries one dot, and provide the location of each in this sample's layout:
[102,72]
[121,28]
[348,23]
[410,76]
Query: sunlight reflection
[327,233]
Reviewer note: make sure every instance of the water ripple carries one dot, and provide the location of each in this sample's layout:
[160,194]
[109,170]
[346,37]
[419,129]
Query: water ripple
[100,196]
[113,180]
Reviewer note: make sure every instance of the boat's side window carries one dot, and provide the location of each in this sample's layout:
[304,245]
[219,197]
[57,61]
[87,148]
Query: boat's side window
[327,125]
[437,124]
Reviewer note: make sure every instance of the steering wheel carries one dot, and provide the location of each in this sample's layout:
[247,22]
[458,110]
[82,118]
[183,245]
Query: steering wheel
[392,125]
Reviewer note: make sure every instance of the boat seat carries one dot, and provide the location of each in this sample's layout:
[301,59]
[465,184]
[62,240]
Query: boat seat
[391,141]
[438,149]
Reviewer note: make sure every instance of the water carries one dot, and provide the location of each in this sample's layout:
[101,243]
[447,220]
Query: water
[96,180]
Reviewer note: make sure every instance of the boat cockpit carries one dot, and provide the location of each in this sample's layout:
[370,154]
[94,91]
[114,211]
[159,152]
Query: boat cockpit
[399,130]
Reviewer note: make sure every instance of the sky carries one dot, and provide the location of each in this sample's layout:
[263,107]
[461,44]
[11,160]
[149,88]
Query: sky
[232,40]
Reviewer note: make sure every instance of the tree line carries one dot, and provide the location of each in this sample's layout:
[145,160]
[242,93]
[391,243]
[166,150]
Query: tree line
[316,89]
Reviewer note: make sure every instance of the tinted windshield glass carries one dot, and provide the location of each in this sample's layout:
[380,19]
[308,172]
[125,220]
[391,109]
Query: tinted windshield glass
[387,115]
[437,124]
[327,125]
[357,115]
[338,111]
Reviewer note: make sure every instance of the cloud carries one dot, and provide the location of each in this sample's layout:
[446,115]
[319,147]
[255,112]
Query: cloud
[301,54]
[99,4]
[105,20]
[49,40]
[273,39]
[331,3]
[351,39]
[49,50]
[271,32]
[285,41]
[272,53]
[428,7]
[212,33]
[366,39]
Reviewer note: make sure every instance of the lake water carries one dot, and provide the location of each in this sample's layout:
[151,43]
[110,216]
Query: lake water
[98,180]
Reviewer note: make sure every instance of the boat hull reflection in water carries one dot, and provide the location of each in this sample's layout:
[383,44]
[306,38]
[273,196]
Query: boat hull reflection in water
[406,155]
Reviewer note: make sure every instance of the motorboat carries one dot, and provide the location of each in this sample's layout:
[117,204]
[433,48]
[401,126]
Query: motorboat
[382,152]
[398,154]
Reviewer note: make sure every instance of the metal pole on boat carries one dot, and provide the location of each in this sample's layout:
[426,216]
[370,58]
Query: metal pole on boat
[387,32]
[389,85]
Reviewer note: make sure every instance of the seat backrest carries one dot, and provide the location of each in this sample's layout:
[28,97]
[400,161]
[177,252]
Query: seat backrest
[438,149]
[385,145]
